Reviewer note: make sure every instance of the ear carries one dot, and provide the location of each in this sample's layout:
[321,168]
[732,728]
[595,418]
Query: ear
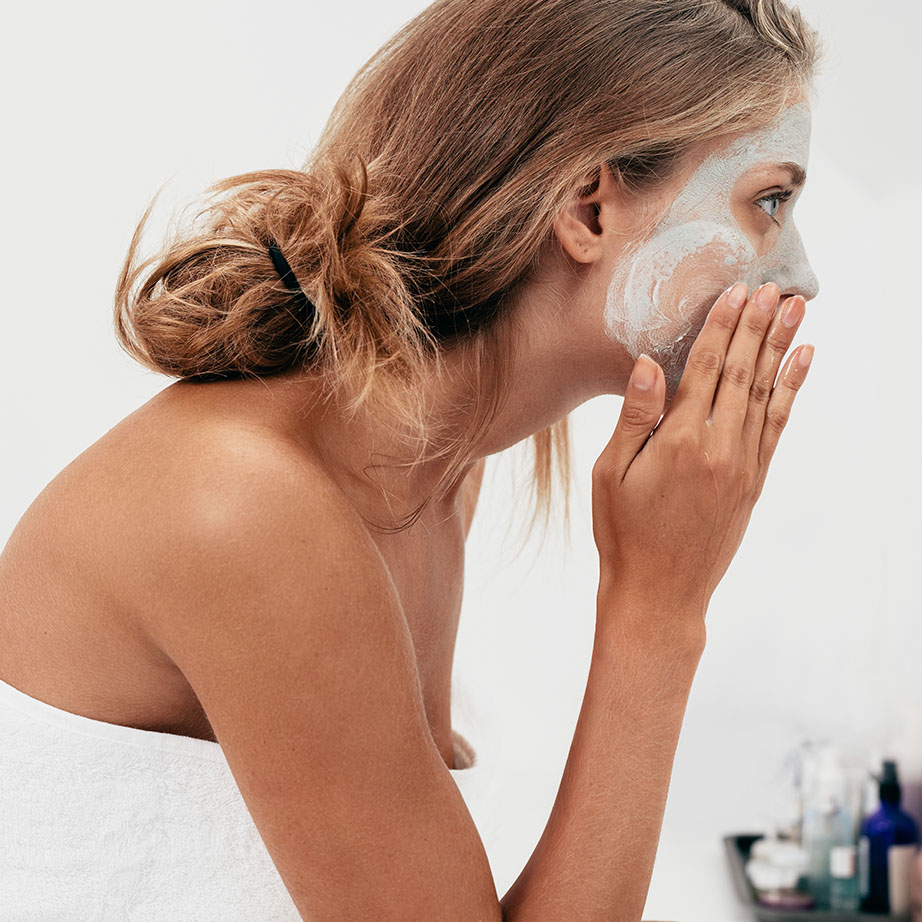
[592,211]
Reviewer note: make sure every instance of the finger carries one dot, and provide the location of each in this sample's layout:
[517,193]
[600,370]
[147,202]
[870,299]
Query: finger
[705,360]
[738,373]
[640,412]
[779,406]
[774,348]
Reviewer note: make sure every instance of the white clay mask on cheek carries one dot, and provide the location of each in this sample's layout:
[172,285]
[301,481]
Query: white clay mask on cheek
[663,287]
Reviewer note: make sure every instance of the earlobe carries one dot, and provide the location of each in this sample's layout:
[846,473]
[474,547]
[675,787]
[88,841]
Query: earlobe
[580,226]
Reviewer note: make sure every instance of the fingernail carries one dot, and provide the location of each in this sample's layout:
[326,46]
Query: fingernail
[736,296]
[767,295]
[644,373]
[793,312]
[805,357]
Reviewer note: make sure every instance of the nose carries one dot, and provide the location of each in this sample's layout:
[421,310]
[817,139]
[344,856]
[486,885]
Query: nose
[805,281]
[809,288]
[795,275]
[808,285]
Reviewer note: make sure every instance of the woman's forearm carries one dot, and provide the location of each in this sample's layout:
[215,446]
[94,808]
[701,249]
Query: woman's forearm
[594,860]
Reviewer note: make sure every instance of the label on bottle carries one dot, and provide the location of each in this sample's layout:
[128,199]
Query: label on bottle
[899,868]
[864,866]
[843,862]
[915,890]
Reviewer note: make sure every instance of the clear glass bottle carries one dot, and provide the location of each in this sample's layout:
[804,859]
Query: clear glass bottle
[827,821]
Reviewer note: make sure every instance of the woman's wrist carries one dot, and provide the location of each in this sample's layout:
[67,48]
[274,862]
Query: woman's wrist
[651,614]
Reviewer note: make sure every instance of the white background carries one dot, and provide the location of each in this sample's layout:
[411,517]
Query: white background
[815,630]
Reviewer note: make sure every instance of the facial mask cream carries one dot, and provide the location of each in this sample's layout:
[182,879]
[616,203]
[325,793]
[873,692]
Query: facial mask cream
[664,285]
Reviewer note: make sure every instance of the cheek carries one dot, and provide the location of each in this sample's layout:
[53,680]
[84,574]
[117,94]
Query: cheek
[700,275]
[667,285]
[658,303]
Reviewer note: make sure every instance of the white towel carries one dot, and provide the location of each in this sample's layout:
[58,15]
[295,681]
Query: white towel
[105,823]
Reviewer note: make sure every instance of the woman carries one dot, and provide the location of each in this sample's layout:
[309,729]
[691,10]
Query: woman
[228,626]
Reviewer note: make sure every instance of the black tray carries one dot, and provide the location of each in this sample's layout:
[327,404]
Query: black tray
[738,847]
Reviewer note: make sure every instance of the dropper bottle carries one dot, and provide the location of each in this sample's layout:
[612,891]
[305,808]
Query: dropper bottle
[889,837]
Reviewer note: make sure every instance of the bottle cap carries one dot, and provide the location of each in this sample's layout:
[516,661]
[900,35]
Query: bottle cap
[843,861]
[889,784]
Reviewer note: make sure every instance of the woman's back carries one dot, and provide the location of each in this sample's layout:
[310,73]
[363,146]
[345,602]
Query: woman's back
[76,609]
[70,608]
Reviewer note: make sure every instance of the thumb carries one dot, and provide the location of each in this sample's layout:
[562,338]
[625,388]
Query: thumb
[643,406]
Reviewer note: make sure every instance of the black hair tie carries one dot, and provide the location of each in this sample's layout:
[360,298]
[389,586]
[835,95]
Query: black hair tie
[305,305]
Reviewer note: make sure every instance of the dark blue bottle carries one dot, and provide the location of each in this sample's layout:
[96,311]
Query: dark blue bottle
[887,827]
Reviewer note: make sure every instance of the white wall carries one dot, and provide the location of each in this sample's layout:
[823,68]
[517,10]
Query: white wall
[815,630]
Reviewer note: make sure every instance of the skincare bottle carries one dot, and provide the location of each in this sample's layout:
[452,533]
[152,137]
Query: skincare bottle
[888,828]
[843,878]
[827,821]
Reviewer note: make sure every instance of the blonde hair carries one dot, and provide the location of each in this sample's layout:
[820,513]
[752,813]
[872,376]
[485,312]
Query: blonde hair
[434,187]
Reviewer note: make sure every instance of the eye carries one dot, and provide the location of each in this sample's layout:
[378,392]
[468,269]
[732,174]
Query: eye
[771,203]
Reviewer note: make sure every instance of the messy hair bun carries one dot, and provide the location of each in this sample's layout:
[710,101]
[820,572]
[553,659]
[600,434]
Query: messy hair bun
[214,306]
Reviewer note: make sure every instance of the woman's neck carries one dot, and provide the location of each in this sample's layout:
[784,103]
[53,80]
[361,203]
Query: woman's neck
[543,375]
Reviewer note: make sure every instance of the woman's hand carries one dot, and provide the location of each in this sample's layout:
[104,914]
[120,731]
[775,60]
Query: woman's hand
[670,508]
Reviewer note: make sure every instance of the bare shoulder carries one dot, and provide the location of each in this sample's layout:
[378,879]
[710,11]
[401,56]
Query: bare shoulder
[276,606]
[252,508]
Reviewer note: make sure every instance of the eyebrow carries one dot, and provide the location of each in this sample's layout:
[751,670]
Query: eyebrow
[798,173]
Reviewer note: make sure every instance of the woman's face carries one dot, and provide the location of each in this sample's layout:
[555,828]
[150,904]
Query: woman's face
[730,221]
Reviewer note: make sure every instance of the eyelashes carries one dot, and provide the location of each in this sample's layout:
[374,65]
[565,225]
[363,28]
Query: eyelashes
[776,199]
